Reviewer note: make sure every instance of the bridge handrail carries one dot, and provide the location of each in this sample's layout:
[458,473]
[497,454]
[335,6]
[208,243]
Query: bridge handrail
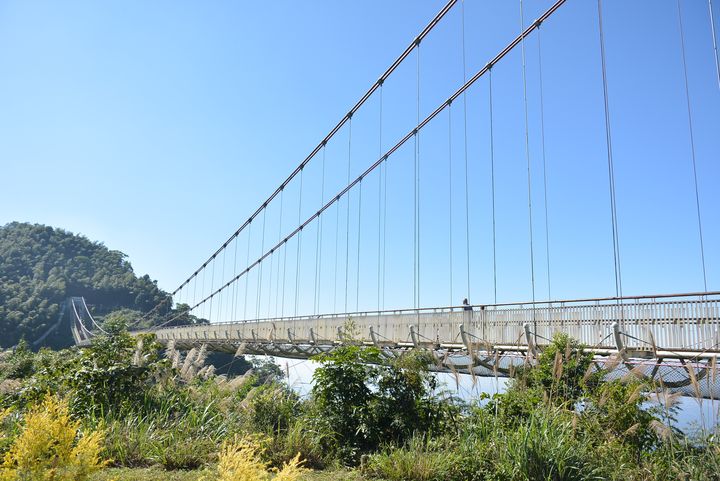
[475,307]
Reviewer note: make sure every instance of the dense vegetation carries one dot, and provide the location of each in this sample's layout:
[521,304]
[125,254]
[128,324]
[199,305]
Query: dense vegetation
[40,267]
[156,411]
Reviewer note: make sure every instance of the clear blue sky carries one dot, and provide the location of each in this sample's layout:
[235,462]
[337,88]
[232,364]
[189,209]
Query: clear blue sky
[158,127]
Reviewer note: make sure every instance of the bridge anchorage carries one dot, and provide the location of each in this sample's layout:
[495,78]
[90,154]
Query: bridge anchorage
[670,338]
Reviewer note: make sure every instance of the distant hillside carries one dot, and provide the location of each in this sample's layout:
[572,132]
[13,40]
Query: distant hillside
[41,266]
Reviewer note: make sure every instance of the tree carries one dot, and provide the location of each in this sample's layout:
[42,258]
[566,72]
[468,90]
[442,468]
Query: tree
[40,267]
[367,400]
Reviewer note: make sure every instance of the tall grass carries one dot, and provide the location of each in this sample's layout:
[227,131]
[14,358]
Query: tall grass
[558,420]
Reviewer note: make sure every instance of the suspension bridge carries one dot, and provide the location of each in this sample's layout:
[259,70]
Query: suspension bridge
[316,264]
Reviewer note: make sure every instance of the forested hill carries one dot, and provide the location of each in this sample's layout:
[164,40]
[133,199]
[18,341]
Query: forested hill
[41,266]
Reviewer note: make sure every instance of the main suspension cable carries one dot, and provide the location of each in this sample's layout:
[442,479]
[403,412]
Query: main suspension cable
[428,28]
[410,135]
[692,144]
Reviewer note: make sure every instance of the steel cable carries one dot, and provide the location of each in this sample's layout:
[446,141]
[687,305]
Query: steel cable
[270,282]
[299,242]
[212,288]
[492,185]
[203,290]
[357,273]
[260,268]
[277,287]
[223,282]
[234,295]
[247,278]
[527,155]
[318,241]
[544,162]
[450,194]
[347,223]
[380,193]
[714,40]
[692,144]
[611,168]
[428,28]
[465,141]
[409,135]
[416,191]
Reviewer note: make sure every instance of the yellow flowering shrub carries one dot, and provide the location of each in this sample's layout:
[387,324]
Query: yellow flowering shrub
[241,461]
[51,448]
[291,471]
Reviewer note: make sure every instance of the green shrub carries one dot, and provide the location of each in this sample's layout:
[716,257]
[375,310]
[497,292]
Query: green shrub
[271,408]
[561,370]
[367,401]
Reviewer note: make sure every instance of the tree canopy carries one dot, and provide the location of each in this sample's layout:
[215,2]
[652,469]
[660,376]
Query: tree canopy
[41,266]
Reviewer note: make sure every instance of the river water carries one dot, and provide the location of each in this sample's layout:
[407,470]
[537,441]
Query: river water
[693,415]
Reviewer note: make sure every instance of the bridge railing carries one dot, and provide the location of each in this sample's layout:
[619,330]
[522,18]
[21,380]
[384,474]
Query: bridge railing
[689,322]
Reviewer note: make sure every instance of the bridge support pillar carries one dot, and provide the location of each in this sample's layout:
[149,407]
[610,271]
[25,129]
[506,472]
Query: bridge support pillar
[414,336]
[466,342]
[532,348]
[617,334]
[373,337]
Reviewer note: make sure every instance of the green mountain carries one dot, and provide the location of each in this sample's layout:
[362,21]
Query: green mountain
[41,266]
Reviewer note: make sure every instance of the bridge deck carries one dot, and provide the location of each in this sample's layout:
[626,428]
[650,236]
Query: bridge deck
[687,323]
[673,337]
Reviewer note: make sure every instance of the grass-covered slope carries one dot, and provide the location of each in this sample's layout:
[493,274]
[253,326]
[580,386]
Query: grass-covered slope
[41,266]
